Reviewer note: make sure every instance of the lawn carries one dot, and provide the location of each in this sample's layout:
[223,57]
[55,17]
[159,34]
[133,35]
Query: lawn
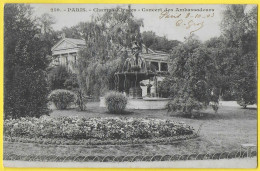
[221,132]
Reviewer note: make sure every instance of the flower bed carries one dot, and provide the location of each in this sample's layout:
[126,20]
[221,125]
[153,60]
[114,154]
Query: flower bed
[73,130]
[90,142]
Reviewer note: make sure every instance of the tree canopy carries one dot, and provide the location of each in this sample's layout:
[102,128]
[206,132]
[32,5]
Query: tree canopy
[239,28]
[192,79]
[202,72]
[151,40]
[25,85]
[107,38]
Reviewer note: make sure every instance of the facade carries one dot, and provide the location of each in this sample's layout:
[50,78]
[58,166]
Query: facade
[158,59]
[65,53]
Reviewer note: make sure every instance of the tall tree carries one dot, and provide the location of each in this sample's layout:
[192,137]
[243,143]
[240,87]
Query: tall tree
[45,22]
[239,27]
[75,32]
[192,79]
[151,40]
[223,58]
[107,38]
[48,36]
[25,85]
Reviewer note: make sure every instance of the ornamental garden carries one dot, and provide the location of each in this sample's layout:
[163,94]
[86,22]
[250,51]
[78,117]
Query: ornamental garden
[115,89]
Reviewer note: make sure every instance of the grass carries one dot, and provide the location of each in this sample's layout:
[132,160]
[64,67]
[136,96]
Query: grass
[224,131]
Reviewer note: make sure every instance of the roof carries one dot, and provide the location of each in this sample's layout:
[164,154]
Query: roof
[76,41]
[155,56]
[146,53]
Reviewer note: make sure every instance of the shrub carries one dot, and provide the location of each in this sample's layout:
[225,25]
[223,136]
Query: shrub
[62,98]
[185,106]
[115,102]
[71,83]
[57,77]
[242,102]
[164,87]
[27,95]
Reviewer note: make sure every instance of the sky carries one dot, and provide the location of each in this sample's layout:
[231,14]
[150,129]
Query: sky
[173,21]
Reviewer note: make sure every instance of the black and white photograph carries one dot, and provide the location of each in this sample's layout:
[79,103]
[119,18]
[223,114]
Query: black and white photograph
[130,85]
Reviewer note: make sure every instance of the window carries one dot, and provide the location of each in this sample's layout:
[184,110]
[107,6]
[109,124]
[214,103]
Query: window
[155,65]
[164,67]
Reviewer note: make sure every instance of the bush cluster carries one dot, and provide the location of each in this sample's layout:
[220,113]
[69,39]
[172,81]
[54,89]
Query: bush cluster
[115,102]
[62,99]
[94,128]
[57,77]
[27,95]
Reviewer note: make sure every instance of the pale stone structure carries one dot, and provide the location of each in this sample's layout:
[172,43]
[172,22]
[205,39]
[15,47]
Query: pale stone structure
[65,52]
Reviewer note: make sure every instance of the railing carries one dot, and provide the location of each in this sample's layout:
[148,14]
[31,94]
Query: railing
[147,158]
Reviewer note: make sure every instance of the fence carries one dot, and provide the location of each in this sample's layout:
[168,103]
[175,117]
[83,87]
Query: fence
[175,157]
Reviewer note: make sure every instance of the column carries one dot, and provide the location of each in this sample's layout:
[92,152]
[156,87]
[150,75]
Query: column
[75,59]
[67,59]
[159,64]
[60,60]
[69,62]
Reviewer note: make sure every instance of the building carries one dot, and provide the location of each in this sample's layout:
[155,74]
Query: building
[65,52]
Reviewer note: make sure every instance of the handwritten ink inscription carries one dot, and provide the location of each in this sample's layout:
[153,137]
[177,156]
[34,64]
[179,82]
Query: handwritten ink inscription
[190,21]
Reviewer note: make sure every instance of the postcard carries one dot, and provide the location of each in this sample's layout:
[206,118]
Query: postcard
[130,85]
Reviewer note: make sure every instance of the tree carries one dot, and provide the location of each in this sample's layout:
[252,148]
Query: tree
[45,22]
[57,77]
[240,31]
[223,58]
[25,84]
[151,40]
[192,79]
[107,38]
[75,32]
[48,36]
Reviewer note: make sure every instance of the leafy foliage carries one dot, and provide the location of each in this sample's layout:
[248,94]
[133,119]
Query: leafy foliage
[115,102]
[44,24]
[62,98]
[223,58]
[74,128]
[192,79]
[28,96]
[240,30]
[151,40]
[224,66]
[25,63]
[106,39]
[164,87]
[71,83]
[97,78]
[57,77]
[82,99]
